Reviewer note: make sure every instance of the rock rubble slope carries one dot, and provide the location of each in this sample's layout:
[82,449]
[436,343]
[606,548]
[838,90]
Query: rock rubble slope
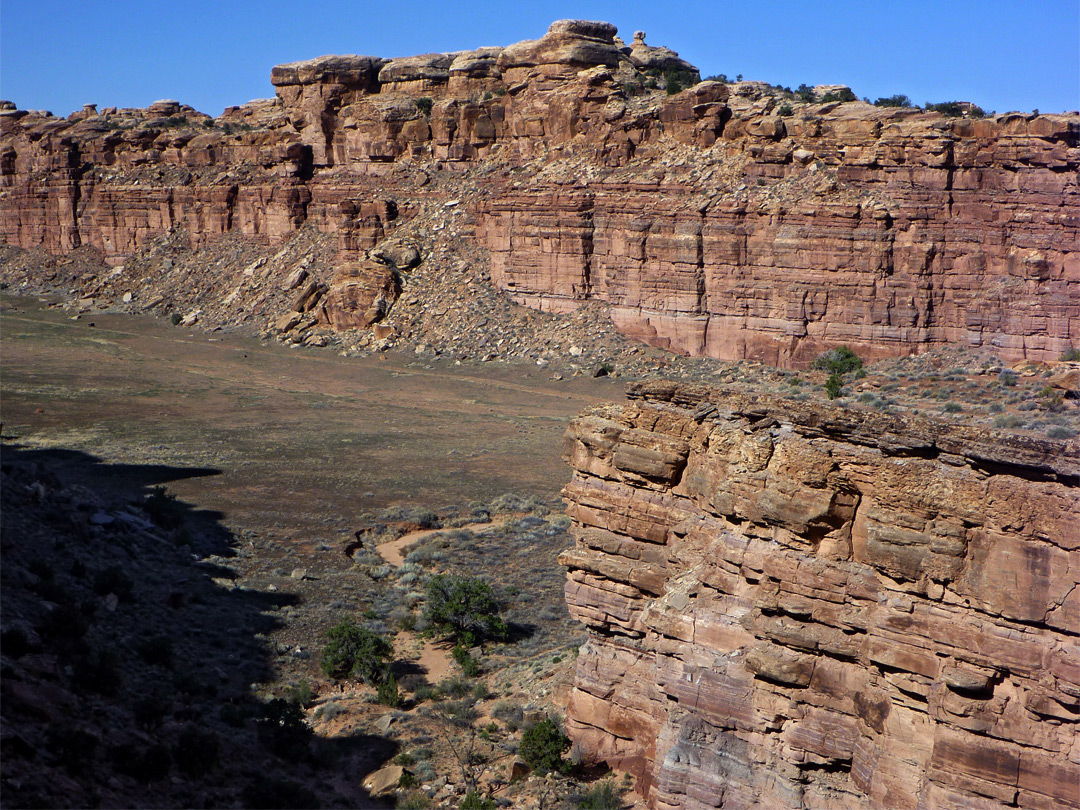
[726,220]
[792,606]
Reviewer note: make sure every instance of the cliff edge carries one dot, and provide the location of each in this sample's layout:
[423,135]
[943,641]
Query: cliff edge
[725,220]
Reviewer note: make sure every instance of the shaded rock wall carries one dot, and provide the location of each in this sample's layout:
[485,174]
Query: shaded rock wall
[714,221]
[791,605]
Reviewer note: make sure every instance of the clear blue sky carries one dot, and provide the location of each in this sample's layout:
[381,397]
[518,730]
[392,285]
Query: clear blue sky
[1001,54]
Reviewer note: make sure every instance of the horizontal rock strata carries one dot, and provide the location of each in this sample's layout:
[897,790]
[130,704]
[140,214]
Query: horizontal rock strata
[722,220]
[791,605]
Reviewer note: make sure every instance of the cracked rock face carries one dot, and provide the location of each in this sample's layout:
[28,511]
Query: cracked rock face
[793,606]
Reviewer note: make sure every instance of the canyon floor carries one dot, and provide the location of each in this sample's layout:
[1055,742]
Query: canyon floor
[288,467]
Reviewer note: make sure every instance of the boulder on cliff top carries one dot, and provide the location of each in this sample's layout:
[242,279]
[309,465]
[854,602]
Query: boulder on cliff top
[591,29]
[580,43]
[351,70]
[646,57]
[432,67]
[478,64]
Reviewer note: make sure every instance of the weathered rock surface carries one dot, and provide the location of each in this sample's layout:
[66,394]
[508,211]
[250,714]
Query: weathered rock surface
[712,221]
[795,606]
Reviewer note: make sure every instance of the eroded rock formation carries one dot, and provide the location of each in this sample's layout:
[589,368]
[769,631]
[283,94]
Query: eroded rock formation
[793,605]
[723,220]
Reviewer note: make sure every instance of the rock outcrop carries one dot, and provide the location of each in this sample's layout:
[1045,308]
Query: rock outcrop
[793,605]
[732,221]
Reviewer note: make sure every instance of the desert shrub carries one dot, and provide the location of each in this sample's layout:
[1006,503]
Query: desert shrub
[278,794]
[843,95]
[388,693]
[1007,378]
[834,386]
[1071,355]
[1007,420]
[512,502]
[455,687]
[463,608]
[424,518]
[840,360]
[282,728]
[951,109]
[175,319]
[474,800]
[468,664]
[163,508]
[196,751]
[509,712]
[676,81]
[356,652]
[601,796]
[718,77]
[784,110]
[414,800]
[301,694]
[952,407]
[330,710]
[426,691]
[424,104]
[805,93]
[543,746]
[899,100]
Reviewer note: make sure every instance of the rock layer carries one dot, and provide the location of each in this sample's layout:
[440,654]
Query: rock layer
[723,220]
[792,605]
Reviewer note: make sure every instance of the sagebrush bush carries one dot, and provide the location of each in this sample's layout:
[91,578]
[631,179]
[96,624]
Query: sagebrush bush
[601,796]
[543,746]
[356,652]
[463,608]
[840,360]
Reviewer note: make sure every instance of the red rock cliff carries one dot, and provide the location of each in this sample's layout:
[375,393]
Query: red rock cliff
[791,605]
[722,220]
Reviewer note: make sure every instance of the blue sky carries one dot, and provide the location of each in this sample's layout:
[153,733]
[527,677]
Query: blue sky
[1001,54]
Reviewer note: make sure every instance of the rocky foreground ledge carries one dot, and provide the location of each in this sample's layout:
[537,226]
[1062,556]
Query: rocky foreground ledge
[793,606]
[729,220]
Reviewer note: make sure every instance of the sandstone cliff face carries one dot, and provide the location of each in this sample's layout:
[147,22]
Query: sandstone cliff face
[918,233]
[797,606]
[713,221]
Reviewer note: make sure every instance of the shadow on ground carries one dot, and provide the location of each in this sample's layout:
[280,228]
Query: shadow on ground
[130,667]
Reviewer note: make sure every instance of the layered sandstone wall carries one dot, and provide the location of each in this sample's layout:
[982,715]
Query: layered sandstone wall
[793,605]
[722,220]
[892,232]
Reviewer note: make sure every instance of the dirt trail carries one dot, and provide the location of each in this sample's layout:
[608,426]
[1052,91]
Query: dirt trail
[392,551]
[434,656]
